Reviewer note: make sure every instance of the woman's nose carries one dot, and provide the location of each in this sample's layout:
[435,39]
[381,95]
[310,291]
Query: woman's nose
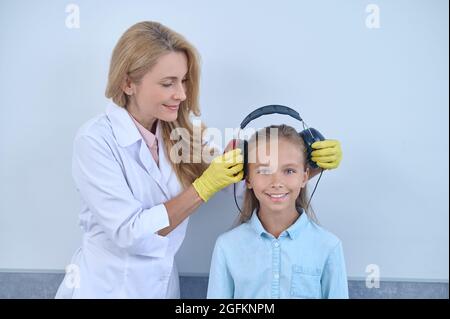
[180,94]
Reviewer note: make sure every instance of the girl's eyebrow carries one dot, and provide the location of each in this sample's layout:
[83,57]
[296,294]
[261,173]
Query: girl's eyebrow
[261,164]
[291,164]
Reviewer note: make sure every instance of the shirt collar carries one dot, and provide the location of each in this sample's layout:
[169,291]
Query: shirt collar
[148,136]
[293,231]
[299,226]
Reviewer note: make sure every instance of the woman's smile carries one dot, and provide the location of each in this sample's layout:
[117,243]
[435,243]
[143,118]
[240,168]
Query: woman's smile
[174,107]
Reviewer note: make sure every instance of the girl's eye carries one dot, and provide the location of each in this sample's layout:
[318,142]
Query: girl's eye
[290,171]
[263,171]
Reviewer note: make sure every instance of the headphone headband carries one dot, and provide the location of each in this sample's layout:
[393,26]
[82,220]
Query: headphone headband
[270,109]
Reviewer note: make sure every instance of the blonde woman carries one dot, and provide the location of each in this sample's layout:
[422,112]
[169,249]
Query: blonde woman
[136,193]
[135,199]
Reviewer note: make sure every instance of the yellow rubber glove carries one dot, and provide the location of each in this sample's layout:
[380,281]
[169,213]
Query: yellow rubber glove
[224,170]
[327,154]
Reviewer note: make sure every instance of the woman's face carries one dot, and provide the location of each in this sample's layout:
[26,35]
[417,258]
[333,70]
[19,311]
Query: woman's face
[277,179]
[159,94]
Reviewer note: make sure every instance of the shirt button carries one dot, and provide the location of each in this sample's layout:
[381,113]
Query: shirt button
[276,244]
[276,276]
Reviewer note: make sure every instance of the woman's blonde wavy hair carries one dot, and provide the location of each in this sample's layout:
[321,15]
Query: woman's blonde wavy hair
[136,52]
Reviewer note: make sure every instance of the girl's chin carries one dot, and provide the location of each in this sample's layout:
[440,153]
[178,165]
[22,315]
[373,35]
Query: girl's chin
[273,210]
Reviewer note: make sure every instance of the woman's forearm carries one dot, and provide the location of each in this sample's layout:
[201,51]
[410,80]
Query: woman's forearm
[181,207]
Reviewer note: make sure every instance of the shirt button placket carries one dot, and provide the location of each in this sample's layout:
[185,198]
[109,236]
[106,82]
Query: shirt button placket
[276,268]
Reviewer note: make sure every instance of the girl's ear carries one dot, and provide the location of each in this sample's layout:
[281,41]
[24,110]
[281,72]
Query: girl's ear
[247,183]
[305,177]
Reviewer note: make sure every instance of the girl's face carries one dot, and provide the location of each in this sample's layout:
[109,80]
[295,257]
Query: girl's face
[278,178]
[159,94]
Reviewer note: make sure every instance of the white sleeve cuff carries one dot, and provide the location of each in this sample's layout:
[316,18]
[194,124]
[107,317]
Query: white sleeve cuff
[152,244]
[156,218]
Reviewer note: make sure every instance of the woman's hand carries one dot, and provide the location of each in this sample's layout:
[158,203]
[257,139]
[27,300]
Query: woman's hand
[224,170]
[327,154]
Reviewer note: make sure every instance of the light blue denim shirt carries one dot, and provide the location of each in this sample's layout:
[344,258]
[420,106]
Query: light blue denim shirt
[305,261]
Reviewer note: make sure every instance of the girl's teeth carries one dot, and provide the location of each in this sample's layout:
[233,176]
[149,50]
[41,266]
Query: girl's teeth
[278,196]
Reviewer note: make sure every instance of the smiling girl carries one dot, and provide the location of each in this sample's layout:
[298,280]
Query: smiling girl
[279,250]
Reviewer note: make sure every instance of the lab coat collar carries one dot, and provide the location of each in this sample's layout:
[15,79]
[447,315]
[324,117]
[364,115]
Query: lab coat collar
[164,160]
[127,133]
[124,129]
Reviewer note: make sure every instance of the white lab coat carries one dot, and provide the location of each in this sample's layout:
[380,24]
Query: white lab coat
[122,192]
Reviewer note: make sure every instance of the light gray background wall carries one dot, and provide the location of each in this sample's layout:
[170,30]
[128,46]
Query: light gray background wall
[382,92]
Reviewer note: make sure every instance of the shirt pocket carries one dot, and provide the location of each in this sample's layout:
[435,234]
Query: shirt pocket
[305,282]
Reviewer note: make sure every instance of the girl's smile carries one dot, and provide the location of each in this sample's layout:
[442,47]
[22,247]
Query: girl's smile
[274,197]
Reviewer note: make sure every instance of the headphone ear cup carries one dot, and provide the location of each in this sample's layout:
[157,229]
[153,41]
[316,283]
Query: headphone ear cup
[245,148]
[310,136]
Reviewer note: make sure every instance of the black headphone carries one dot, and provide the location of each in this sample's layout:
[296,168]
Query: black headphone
[309,135]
